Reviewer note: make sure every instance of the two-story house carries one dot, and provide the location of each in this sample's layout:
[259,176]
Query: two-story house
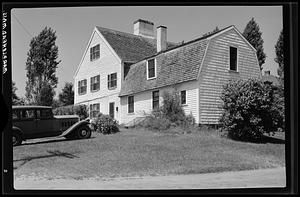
[125,74]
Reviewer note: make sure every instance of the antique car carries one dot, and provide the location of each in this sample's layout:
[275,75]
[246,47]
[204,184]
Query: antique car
[29,122]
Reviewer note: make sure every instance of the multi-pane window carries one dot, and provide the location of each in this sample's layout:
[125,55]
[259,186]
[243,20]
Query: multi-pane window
[112,80]
[94,110]
[130,104]
[155,99]
[82,86]
[95,83]
[183,97]
[95,52]
[233,58]
[151,68]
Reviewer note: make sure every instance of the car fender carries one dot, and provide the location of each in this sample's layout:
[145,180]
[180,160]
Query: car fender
[17,129]
[75,126]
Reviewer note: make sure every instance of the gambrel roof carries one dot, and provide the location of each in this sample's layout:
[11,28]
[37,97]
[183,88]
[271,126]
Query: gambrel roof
[130,47]
[179,64]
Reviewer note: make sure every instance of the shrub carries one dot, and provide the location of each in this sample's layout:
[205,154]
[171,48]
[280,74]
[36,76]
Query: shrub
[80,110]
[105,124]
[169,114]
[249,110]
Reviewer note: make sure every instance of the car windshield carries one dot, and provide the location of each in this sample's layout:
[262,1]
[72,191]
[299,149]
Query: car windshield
[28,114]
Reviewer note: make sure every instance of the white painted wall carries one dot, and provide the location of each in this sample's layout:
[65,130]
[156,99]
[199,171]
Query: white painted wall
[143,101]
[107,63]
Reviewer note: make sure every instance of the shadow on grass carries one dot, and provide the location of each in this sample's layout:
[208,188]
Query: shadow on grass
[272,140]
[55,153]
[52,141]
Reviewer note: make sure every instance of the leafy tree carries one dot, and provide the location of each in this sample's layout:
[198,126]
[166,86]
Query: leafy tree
[250,109]
[279,58]
[253,34]
[15,98]
[41,65]
[66,97]
[211,32]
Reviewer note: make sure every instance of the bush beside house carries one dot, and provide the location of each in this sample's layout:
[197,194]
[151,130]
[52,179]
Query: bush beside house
[169,115]
[105,124]
[251,108]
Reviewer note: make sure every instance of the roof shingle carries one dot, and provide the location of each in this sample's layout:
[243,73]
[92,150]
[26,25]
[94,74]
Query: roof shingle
[130,47]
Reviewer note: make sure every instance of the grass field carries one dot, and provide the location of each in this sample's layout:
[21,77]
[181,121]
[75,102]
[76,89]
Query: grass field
[137,152]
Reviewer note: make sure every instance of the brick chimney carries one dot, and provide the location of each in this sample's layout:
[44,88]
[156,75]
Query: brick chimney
[267,72]
[143,28]
[161,40]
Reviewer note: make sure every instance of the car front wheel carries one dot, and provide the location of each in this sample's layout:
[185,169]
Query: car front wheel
[84,132]
[16,139]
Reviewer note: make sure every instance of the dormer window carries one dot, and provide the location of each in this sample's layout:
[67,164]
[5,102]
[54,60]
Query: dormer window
[95,52]
[151,69]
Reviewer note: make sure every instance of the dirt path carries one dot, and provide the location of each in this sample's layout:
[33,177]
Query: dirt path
[241,179]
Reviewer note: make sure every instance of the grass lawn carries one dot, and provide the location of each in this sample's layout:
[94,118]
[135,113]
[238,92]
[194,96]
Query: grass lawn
[137,152]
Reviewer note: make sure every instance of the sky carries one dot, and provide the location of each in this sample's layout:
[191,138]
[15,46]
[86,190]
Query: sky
[74,26]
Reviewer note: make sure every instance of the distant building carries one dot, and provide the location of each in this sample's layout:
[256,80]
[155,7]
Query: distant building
[271,78]
[124,75]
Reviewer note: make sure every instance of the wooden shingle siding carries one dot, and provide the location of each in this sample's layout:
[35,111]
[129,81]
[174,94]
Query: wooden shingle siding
[215,72]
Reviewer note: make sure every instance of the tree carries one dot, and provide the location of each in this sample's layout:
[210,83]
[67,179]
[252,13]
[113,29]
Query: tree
[15,98]
[66,97]
[253,35]
[41,65]
[279,58]
[211,32]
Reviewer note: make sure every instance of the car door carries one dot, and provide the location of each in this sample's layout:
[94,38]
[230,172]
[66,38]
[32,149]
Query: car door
[44,122]
[27,122]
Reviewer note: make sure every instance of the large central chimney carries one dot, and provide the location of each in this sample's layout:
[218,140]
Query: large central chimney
[161,40]
[143,28]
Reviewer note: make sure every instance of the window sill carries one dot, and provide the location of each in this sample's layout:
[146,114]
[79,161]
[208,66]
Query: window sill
[184,105]
[130,114]
[92,91]
[81,94]
[233,71]
[151,78]
[112,88]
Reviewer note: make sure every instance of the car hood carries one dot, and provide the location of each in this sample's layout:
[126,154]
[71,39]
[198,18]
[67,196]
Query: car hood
[66,116]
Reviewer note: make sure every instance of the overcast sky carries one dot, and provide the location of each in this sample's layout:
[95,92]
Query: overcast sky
[74,27]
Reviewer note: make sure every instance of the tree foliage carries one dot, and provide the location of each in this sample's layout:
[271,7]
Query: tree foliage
[279,58]
[253,34]
[66,97]
[41,66]
[15,98]
[211,32]
[251,108]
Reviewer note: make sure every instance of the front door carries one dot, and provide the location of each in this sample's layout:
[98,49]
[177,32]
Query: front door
[112,110]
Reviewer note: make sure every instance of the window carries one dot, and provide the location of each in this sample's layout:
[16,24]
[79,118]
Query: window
[16,114]
[233,58]
[183,97]
[82,86]
[155,99]
[95,52]
[151,69]
[94,110]
[28,114]
[44,114]
[130,104]
[112,80]
[95,83]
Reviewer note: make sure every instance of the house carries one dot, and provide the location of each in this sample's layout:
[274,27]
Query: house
[270,78]
[124,75]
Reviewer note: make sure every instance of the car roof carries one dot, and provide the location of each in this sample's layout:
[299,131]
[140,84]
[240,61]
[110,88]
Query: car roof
[30,107]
